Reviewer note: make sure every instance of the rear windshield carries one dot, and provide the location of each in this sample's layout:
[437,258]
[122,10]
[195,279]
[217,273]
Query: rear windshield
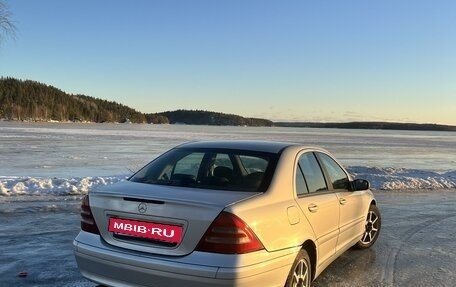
[210,169]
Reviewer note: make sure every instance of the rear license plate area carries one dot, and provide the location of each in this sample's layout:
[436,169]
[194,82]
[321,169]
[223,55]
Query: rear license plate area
[145,230]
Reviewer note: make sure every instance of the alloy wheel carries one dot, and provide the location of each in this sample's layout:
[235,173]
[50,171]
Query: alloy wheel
[301,276]
[372,227]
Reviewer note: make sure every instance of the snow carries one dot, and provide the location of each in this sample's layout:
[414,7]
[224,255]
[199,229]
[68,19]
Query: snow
[56,186]
[401,178]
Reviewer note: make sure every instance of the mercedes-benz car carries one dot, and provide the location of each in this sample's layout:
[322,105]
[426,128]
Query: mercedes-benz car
[231,213]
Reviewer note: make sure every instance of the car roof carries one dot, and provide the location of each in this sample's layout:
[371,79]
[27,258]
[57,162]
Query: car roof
[250,145]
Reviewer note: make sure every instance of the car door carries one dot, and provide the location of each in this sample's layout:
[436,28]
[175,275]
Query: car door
[318,204]
[352,217]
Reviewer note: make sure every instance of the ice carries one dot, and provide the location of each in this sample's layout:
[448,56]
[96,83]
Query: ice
[10,186]
[45,169]
[60,159]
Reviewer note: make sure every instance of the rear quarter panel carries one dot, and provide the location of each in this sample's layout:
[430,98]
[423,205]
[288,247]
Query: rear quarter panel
[272,215]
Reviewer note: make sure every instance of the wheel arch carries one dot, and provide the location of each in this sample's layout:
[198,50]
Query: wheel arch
[311,249]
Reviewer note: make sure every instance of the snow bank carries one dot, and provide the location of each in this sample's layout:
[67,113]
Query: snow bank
[401,178]
[380,178]
[55,186]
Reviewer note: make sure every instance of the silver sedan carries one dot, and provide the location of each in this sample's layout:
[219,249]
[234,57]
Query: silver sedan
[235,213]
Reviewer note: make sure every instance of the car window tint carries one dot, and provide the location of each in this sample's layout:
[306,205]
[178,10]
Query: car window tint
[222,159]
[253,164]
[338,177]
[301,186]
[312,173]
[211,169]
[189,164]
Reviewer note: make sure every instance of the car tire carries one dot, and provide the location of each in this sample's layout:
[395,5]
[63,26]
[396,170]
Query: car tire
[301,271]
[373,225]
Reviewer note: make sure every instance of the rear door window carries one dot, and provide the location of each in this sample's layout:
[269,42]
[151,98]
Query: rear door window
[312,173]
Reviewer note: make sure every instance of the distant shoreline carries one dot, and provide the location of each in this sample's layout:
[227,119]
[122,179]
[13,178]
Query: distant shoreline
[32,101]
[370,126]
[332,125]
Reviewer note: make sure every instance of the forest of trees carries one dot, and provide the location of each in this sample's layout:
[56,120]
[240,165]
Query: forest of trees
[33,101]
[197,117]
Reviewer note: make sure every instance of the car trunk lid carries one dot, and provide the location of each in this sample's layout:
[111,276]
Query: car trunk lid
[158,219]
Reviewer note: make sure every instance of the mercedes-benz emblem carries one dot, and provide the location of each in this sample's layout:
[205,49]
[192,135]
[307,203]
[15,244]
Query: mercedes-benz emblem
[142,207]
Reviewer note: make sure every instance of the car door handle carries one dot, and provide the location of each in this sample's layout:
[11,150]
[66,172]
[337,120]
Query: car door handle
[342,201]
[312,207]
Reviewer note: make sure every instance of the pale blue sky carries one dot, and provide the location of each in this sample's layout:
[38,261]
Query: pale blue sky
[282,60]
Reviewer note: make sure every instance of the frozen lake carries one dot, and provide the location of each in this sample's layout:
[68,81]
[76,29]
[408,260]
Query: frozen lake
[46,168]
[70,158]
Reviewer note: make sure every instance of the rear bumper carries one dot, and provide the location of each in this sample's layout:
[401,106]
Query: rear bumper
[112,266]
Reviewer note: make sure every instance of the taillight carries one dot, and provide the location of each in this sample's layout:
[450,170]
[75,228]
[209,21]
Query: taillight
[87,221]
[228,234]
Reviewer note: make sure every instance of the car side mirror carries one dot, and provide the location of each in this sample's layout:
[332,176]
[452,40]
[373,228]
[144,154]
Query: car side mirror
[360,184]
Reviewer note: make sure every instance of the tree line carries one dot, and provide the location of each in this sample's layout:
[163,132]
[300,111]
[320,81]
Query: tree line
[199,117]
[369,125]
[26,100]
[34,101]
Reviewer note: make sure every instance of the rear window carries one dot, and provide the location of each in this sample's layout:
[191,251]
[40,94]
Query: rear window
[224,169]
